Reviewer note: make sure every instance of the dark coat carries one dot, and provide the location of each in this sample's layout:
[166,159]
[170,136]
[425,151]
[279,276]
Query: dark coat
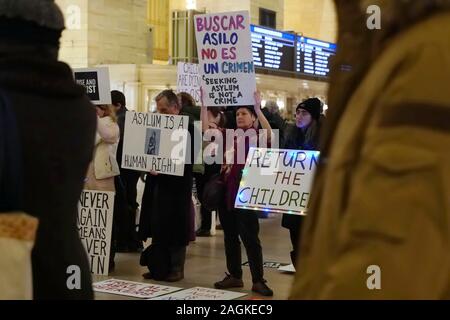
[276,123]
[121,123]
[295,140]
[57,126]
[166,208]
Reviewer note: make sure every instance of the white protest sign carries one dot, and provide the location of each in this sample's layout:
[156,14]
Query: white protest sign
[155,142]
[188,80]
[198,143]
[199,293]
[94,223]
[225,56]
[132,289]
[96,83]
[289,268]
[277,180]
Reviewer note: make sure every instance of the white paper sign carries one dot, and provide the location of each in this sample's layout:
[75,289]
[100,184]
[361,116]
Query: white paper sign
[199,293]
[97,84]
[155,142]
[132,289]
[94,223]
[225,57]
[289,268]
[277,180]
[188,80]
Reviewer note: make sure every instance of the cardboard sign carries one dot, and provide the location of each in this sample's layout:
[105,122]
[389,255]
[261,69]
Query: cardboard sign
[96,83]
[188,80]
[277,180]
[225,55]
[94,223]
[132,289]
[268,264]
[199,293]
[155,142]
[289,268]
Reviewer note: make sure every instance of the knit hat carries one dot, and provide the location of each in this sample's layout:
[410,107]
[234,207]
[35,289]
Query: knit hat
[31,21]
[313,106]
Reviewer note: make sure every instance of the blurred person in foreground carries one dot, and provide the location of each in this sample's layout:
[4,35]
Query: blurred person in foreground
[380,209]
[56,124]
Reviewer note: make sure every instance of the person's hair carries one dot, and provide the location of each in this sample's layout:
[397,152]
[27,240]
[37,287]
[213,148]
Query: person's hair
[250,109]
[110,111]
[312,134]
[170,96]
[117,98]
[272,106]
[216,112]
[186,100]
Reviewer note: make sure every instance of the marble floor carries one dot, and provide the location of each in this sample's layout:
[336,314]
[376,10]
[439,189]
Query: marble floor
[205,263]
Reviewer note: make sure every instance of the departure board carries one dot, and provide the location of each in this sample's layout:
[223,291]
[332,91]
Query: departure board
[273,49]
[313,56]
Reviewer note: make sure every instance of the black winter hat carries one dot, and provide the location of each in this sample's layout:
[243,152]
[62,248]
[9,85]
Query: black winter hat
[313,106]
[31,21]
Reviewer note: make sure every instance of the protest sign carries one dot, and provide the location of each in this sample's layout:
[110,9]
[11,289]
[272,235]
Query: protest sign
[155,142]
[96,82]
[188,80]
[277,180]
[289,268]
[225,58]
[199,293]
[94,223]
[132,289]
[268,264]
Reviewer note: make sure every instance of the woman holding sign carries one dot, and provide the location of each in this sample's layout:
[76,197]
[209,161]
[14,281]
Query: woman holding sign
[237,223]
[104,167]
[304,136]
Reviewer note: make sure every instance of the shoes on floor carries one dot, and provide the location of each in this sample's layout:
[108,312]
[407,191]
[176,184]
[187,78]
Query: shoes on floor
[147,276]
[229,282]
[175,276]
[203,233]
[261,288]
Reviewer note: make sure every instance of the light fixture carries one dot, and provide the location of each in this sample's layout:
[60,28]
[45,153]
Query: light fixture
[191,4]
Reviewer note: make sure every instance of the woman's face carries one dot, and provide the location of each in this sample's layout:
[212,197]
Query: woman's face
[100,111]
[244,118]
[303,118]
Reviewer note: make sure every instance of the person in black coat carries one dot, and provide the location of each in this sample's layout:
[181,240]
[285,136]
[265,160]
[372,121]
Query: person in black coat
[166,212]
[56,125]
[126,187]
[303,136]
[271,111]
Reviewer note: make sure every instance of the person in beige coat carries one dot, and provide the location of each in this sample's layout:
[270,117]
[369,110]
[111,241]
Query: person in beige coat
[379,224]
[104,167]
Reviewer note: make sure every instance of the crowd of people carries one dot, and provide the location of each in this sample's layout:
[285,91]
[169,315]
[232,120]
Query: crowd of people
[168,217]
[380,196]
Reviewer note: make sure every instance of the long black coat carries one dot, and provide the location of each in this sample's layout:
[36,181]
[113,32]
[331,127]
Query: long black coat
[166,207]
[56,125]
[295,140]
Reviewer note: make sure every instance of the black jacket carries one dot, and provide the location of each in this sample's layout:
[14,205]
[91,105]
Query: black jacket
[56,126]
[121,123]
[295,140]
[166,207]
